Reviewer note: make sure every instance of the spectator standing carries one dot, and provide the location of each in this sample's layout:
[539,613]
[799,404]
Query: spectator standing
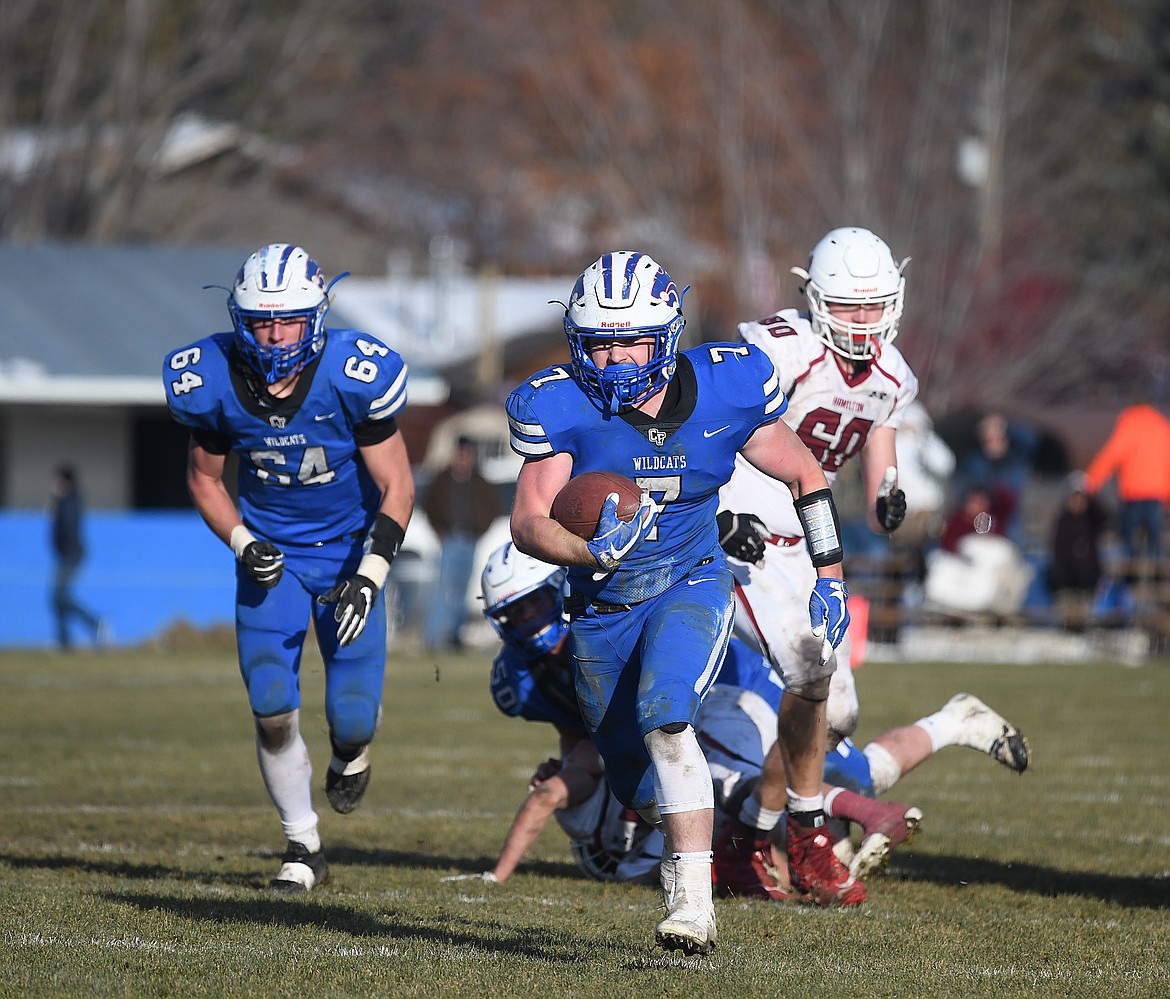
[69,552]
[461,505]
[1074,566]
[1001,460]
[1137,453]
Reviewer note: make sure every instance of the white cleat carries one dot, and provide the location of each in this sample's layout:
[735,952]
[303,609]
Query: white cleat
[989,731]
[870,856]
[689,925]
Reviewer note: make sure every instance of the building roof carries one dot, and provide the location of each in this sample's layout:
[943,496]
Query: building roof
[90,324]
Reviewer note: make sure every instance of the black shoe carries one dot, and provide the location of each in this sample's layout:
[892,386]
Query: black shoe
[300,871]
[345,791]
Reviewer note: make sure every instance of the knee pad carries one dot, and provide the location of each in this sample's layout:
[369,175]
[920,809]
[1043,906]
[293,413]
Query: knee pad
[353,720]
[841,716]
[272,690]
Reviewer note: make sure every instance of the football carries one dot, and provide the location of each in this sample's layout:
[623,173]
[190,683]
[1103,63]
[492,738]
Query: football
[577,506]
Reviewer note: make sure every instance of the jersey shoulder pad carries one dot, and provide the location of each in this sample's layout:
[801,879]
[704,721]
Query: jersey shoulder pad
[195,376]
[367,374]
[532,403]
[742,373]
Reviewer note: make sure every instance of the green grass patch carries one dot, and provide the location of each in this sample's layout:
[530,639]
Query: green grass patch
[136,841]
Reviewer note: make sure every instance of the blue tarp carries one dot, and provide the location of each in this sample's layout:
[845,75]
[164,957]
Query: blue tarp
[143,572]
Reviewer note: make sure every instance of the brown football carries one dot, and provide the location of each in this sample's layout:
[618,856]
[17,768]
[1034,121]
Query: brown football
[577,506]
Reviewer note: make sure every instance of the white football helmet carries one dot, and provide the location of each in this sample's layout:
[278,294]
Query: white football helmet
[853,266]
[624,295]
[510,577]
[280,281]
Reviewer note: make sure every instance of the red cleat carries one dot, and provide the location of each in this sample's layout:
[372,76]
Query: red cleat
[815,870]
[743,864]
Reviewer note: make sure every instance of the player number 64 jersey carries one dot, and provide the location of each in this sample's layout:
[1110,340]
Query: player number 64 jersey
[301,478]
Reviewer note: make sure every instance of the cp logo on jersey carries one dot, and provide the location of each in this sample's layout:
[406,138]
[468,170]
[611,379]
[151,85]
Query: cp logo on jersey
[280,422]
[656,437]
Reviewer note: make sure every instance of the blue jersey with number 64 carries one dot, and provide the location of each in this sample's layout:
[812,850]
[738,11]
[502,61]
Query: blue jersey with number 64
[301,478]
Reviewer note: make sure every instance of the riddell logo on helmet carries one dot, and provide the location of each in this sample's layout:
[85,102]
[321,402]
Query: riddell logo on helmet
[615,326]
[865,291]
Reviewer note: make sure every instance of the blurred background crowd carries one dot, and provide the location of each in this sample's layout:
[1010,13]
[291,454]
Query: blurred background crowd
[1019,153]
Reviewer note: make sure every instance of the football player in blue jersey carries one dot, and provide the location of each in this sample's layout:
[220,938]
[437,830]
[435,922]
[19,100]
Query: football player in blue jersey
[650,599]
[325,495]
[736,725]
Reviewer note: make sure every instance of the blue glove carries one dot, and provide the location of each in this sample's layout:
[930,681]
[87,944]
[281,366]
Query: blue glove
[828,612]
[615,539]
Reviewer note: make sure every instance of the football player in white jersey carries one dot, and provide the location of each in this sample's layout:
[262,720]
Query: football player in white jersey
[847,389]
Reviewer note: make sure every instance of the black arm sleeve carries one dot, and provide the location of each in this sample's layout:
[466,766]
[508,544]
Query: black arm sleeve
[374,431]
[210,441]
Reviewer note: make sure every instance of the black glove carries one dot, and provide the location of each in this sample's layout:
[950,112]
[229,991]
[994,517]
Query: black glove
[891,509]
[355,598]
[264,562]
[742,535]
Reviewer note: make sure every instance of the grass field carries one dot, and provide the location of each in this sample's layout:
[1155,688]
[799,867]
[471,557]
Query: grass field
[136,840]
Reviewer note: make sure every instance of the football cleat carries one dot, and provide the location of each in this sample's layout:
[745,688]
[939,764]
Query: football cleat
[988,730]
[346,782]
[300,870]
[743,863]
[815,870]
[689,924]
[897,824]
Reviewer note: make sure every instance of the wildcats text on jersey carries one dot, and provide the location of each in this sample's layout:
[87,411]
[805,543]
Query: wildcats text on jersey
[660,462]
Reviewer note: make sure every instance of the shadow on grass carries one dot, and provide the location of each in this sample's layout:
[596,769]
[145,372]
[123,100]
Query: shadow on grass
[359,857]
[537,942]
[128,871]
[953,872]
[337,855]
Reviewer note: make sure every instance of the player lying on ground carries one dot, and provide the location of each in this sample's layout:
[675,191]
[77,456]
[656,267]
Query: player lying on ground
[531,678]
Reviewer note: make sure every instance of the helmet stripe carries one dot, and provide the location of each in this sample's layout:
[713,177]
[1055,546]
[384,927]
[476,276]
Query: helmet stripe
[631,266]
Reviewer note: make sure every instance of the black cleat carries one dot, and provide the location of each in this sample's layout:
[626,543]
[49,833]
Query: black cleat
[300,870]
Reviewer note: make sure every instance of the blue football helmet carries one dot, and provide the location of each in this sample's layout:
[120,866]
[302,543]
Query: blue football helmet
[624,295]
[524,600]
[279,281]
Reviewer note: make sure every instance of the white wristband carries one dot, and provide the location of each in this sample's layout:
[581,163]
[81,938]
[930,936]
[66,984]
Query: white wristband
[239,539]
[374,568]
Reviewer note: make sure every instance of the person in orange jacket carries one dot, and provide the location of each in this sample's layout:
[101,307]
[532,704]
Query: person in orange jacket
[1138,454]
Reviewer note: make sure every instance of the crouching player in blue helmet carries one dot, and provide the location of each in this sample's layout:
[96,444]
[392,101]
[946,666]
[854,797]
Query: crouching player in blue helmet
[325,495]
[650,600]
[532,679]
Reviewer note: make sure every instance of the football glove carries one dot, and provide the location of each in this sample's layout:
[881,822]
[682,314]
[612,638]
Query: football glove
[262,560]
[742,536]
[891,501]
[828,612]
[615,539]
[355,599]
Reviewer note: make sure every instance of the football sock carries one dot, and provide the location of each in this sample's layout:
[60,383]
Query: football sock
[806,811]
[884,770]
[756,816]
[841,803]
[943,728]
[287,775]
